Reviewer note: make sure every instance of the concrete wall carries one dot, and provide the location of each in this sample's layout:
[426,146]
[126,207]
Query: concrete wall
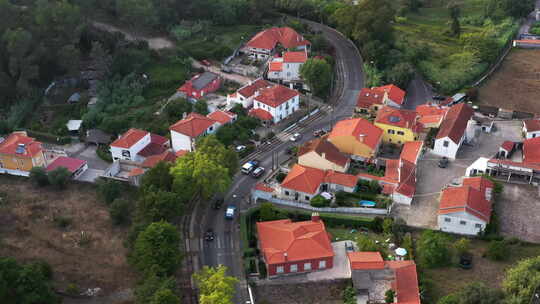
[351,145]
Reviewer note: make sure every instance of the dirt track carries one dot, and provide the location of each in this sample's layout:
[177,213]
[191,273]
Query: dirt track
[154,43]
[516,85]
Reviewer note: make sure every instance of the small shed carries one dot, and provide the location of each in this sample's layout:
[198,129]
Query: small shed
[74,126]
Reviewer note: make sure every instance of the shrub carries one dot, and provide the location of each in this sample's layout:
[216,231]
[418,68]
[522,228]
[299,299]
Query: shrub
[120,211]
[62,221]
[377,224]
[38,175]
[497,250]
[262,270]
[433,249]
[59,177]
[108,190]
[387,225]
[319,202]
[280,176]
[349,295]
[103,153]
[462,246]
[389,296]
[72,289]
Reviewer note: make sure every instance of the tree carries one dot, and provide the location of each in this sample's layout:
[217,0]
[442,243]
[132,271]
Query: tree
[462,246]
[150,286]
[318,75]
[158,177]
[165,296]
[498,250]
[455,12]
[215,286]
[400,74]
[33,285]
[120,211]
[156,205]
[366,244]
[201,107]
[521,281]
[157,249]
[108,190]
[218,153]
[389,296]
[136,12]
[433,249]
[59,177]
[267,212]
[176,109]
[38,175]
[387,225]
[373,75]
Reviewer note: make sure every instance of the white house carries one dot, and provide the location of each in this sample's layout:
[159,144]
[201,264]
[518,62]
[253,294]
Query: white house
[263,44]
[452,132]
[245,94]
[275,104]
[287,68]
[531,128]
[136,145]
[466,209]
[185,132]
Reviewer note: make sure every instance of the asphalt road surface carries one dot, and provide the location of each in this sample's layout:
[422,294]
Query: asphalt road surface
[225,248]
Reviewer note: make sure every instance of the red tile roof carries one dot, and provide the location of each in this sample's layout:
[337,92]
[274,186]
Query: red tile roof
[365,260]
[304,179]
[193,125]
[326,150]
[264,188]
[275,66]
[135,172]
[399,118]
[395,94]
[72,164]
[478,182]
[160,140]
[31,147]
[152,149]
[338,178]
[368,97]
[295,57]
[181,153]
[532,125]
[455,122]
[406,282]
[407,178]
[392,169]
[429,109]
[223,117]
[531,41]
[152,161]
[250,89]
[531,151]
[411,151]
[275,95]
[465,199]
[359,128]
[285,36]
[286,241]
[261,114]
[130,138]
[507,145]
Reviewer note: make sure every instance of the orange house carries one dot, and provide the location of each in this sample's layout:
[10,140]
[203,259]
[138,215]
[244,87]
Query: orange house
[20,153]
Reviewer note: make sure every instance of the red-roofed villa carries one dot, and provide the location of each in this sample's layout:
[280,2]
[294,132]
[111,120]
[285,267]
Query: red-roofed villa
[136,145]
[263,44]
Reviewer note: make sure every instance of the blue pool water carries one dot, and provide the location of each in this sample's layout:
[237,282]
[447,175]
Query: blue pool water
[366,203]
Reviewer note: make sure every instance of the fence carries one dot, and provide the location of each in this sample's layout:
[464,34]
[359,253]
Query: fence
[346,210]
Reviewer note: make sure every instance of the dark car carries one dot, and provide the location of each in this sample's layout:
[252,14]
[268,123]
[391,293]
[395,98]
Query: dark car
[319,133]
[443,162]
[209,235]
[218,203]
[257,172]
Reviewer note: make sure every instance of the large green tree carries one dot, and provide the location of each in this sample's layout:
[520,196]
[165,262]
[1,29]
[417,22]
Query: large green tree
[150,286]
[521,281]
[433,249]
[318,75]
[156,205]
[215,286]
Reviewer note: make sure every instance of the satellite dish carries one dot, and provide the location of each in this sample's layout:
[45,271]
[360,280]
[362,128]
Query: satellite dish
[401,252]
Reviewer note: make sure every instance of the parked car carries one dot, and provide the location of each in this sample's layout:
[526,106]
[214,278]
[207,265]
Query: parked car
[218,203]
[257,172]
[240,148]
[443,162]
[249,166]
[229,212]
[319,133]
[209,235]
[295,137]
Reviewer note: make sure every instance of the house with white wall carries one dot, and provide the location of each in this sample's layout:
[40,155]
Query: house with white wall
[136,145]
[247,93]
[275,103]
[466,209]
[287,68]
[185,132]
[452,132]
[531,128]
[264,43]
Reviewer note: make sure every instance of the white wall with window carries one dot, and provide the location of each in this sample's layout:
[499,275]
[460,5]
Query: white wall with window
[446,147]
[130,153]
[322,264]
[281,111]
[461,223]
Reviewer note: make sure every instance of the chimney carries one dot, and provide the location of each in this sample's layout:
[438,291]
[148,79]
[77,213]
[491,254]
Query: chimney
[184,115]
[285,256]
[361,137]
[315,217]
[323,155]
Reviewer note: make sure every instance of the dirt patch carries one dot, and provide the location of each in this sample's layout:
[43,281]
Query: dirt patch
[314,293]
[516,85]
[70,229]
[514,211]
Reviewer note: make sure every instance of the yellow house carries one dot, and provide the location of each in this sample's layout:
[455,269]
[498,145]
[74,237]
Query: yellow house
[357,137]
[399,126]
[20,153]
[322,154]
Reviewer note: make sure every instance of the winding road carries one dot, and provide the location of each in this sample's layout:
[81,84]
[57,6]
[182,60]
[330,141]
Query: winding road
[226,248]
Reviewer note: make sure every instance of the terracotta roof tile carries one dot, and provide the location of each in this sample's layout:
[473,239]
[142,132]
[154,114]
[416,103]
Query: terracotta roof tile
[268,39]
[368,97]
[300,241]
[406,282]
[263,187]
[465,199]
[136,172]
[323,147]
[152,149]
[275,95]
[10,145]
[223,117]
[532,125]
[455,122]
[130,138]
[411,151]
[531,151]
[365,260]
[395,94]
[508,145]
[250,89]
[261,114]
[304,179]
[72,164]
[152,161]
[338,178]
[295,57]
[360,129]
[399,118]
[181,153]
[193,125]
[275,66]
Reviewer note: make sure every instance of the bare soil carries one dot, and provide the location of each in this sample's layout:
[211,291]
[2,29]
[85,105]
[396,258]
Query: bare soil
[313,293]
[516,85]
[30,230]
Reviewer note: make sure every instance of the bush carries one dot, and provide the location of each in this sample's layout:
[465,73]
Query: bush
[120,211]
[377,224]
[59,177]
[433,249]
[280,177]
[498,250]
[319,202]
[262,270]
[103,153]
[389,296]
[108,190]
[38,175]
[349,295]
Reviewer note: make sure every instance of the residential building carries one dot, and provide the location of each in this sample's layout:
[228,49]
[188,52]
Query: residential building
[264,44]
[371,100]
[412,151]
[75,166]
[287,68]
[223,117]
[185,132]
[466,209]
[294,247]
[430,115]
[201,85]
[20,153]
[356,137]
[531,151]
[371,274]
[394,97]
[322,154]
[245,94]
[136,145]
[531,128]
[276,103]
[399,126]
[452,132]
[506,149]
[152,161]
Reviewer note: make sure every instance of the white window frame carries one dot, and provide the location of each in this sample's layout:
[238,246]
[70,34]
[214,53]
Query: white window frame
[447,220]
[280,269]
[322,264]
[294,268]
[307,266]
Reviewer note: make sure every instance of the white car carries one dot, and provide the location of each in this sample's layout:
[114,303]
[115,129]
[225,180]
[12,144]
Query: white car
[295,137]
[240,148]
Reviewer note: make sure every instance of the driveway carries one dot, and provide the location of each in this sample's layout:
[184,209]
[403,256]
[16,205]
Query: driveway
[431,179]
[88,153]
[229,76]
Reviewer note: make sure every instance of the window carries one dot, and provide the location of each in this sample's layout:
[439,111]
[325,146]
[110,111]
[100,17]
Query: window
[125,153]
[445,143]
[307,198]
[462,222]
[279,269]
[287,193]
[322,264]
[479,226]
[447,219]
[307,266]
[391,131]
[294,268]
[211,128]
[400,133]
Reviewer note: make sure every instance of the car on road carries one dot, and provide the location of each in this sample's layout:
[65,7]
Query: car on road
[249,166]
[443,162]
[218,203]
[229,212]
[258,172]
[320,132]
[240,148]
[295,137]
[209,235]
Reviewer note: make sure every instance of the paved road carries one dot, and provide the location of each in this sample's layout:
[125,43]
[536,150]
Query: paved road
[418,92]
[225,249]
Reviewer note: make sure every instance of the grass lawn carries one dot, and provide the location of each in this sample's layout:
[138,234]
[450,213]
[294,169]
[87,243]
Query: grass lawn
[427,28]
